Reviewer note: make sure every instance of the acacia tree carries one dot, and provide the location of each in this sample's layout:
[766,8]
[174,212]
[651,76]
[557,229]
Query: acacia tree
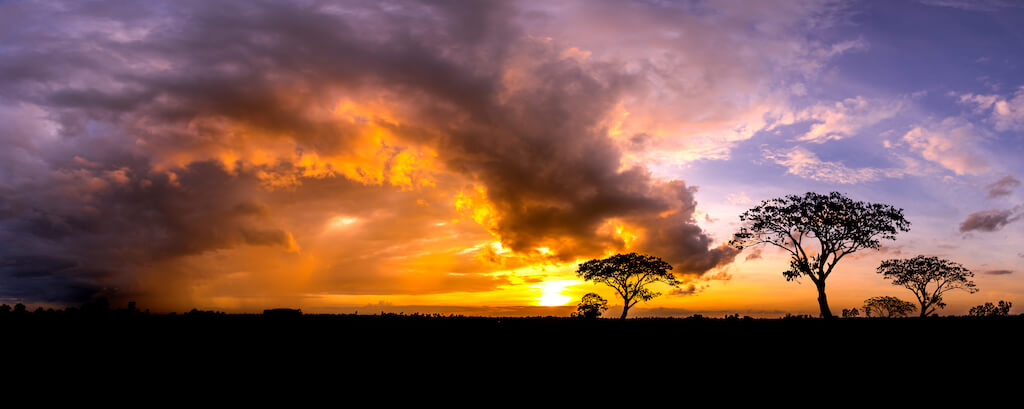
[591,306]
[629,274]
[817,231]
[919,273]
[886,306]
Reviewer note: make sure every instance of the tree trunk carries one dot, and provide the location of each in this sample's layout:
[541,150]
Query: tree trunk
[625,310]
[924,310]
[822,301]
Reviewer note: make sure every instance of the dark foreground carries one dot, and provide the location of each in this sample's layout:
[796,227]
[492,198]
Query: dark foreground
[121,335]
[357,355]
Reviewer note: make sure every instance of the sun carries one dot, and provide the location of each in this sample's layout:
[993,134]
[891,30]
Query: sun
[553,300]
[551,292]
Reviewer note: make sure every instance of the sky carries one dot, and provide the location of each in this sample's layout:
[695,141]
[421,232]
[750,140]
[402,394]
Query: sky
[464,157]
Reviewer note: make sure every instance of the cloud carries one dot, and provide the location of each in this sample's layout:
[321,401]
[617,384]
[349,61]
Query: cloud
[755,254]
[803,163]
[688,289]
[990,220]
[1002,187]
[740,198]
[842,119]
[972,5]
[711,75]
[1005,113]
[998,272]
[188,154]
[952,144]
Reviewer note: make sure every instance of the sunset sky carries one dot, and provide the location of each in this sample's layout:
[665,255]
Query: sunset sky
[464,156]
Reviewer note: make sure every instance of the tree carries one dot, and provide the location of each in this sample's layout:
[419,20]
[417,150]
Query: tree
[990,310]
[850,312]
[918,273]
[629,274]
[886,306]
[839,224]
[591,306]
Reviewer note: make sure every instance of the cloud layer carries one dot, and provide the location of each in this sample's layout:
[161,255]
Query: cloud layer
[270,148]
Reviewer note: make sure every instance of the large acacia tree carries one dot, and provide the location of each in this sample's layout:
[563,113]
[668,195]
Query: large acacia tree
[928,278]
[629,274]
[817,231]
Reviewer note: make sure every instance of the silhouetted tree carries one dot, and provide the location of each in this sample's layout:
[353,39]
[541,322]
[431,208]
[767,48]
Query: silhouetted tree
[991,310]
[839,224]
[918,273]
[629,274]
[886,306]
[850,312]
[591,306]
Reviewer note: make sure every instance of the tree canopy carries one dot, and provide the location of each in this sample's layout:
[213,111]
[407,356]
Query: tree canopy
[630,275]
[991,310]
[886,306]
[591,305]
[817,231]
[928,278]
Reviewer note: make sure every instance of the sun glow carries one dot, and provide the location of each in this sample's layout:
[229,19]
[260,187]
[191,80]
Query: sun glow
[553,300]
[551,292]
[340,222]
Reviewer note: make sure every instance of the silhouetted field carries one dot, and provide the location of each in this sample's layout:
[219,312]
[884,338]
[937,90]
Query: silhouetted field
[125,334]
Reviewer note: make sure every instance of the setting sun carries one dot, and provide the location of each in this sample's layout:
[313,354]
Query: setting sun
[551,292]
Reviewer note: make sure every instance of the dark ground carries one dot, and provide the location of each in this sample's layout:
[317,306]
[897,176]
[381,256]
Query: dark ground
[401,358]
[122,335]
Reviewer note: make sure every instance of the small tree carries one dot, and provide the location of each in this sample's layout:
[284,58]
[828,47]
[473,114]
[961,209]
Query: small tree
[629,274]
[850,312]
[839,224]
[990,310]
[886,306]
[591,306]
[918,273]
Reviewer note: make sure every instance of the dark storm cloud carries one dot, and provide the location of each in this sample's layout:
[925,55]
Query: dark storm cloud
[46,279]
[1002,187]
[69,241]
[144,97]
[990,220]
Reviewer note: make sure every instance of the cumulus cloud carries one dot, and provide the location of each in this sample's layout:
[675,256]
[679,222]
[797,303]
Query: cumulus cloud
[952,144]
[1006,113]
[841,119]
[990,220]
[1002,187]
[802,162]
